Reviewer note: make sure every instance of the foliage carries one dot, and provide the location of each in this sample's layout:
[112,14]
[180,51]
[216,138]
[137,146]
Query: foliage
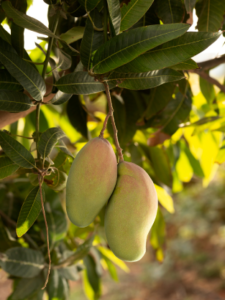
[142,51]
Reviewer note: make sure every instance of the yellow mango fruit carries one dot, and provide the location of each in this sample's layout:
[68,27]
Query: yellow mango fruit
[130,213]
[91,180]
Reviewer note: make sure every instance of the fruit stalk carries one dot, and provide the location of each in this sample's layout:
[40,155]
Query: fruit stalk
[110,114]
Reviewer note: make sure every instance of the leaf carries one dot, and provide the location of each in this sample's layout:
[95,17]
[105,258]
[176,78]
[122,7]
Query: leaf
[60,98]
[29,211]
[26,287]
[195,164]
[26,75]
[128,45]
[14,101]
[7,167]
[170,11]
[133,11]
[16,152]
[158,234]
[57,286]
[111,268]
[142,81]
[189,5]
[58,182]
[5,35]
[22,262]
[92,275]
[164,199]
[171,53]
[17,39]
[70,273]
[6,241]
[92,39]
[210,16]
[72,35]
[48,140]
[207,90]
[25,21]
[89,4]
[80,83]
[77,115]
[114,15]
[62,146]
[65,61]
[186,65]
[7,82]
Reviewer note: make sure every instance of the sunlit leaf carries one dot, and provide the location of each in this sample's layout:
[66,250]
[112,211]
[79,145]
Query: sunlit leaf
[73,34]
[109,254]
[157,237]
[165,199]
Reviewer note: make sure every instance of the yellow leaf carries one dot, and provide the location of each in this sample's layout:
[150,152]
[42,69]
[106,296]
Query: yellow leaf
[165,199]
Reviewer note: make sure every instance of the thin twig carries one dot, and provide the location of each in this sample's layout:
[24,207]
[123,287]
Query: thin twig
[116,141]
[40,180]
[209,79]
[25,137]
[212,63]
[93,24]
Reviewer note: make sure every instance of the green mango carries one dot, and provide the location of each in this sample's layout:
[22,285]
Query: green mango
[130,213]
[91,180]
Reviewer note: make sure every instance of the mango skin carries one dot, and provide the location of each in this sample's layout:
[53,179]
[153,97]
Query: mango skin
[130,212]
[91,180]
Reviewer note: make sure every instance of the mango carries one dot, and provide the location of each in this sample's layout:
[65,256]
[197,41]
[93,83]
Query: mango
[130,213]
[91,180]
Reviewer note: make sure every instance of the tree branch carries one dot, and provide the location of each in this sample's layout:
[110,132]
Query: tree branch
[212,63]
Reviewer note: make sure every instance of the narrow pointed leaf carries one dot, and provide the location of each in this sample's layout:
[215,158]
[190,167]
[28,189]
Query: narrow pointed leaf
[17,39]
[62,146]
[22,262]
[16,152]
[114,14]
[73,34]
[48,140]
[126,46]
[92,39]
[27,76]
[133,11]
[142,81]
[186,65]
[27,287]
[25,21]
[170,11]
[5,35]
[7,167]
[210,18]
[80,83]
[189,5]
[60,98]
[14,101]
[171,53]
[7,82]
[29,211]
[89,4]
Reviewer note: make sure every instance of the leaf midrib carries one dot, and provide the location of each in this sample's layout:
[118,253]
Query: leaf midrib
[24,263]
[49,141]
[11,101]
[128,10]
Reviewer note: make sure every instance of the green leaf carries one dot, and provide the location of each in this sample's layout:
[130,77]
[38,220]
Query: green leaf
[57,286]
[186,65]
[171,53]
[114,14]
[60,98]
[14,101]
[111,268]
[92,275]
[128,45]
[207,90]
[16,152]
[5,35]
[7,167]
[92,39]
[170,11]
[25,21]
[7,82]
[58,182]
[77,115]
[22,262]
[158,234]
[195,164]
[89,4]
[210,16]
[80,83]
[148,80]
[29,211]
[6,240]
[62,146]
[17,39]
[48,140]
[165,199]
[27,287]
[189,5]
[27,76]
[72,35]
[70,273]
[133,11]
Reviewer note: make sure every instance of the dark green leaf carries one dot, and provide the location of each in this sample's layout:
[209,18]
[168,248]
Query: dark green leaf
[22,262]
[158,233]
[89,4]
[29,211]
[126,46]
[133,11]
[70,273]
[92,39]
[16,152]
[189,5]
[26,287]
[17,39]
[48,140]
[210,16]
[57,286]
[114,14]
[7,167]
[80,83]
[27,76]
[5,35]
[73,34]
[186,65]
[6,241]
[77,115]
[92,275]
[60,98]
[207,90]
[25,21]
[171,53]
[14,101]
[148,80]
[7,82]
[64,59]
[170,11]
